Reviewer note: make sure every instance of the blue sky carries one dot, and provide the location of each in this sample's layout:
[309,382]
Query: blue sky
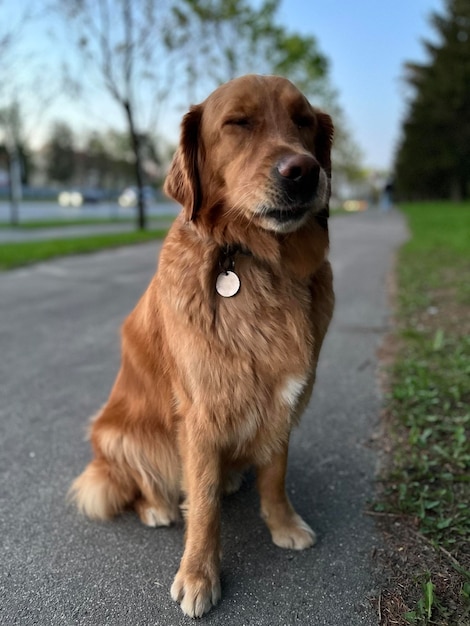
[366,41]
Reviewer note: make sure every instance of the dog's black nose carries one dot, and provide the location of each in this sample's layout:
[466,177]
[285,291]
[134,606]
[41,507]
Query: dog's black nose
[298,175]
[297,166]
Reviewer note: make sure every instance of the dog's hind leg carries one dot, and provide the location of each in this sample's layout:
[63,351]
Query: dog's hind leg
[154,513]
[157,504]
[232,481]
[154,465]
[103,490]
[134,465]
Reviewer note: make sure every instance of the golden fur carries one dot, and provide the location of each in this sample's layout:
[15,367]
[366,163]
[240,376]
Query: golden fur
[210,385]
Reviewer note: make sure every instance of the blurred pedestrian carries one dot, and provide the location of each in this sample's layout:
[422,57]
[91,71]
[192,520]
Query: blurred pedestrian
[386,199]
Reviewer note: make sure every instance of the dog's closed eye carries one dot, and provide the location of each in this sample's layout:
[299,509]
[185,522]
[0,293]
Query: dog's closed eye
[242,121]
[303,121]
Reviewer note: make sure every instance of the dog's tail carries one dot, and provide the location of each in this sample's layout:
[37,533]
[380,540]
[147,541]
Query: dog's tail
[102,491]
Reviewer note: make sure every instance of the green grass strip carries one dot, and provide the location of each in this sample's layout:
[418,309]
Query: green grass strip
[439,226]
[431,392]
[66,222]
[429,476]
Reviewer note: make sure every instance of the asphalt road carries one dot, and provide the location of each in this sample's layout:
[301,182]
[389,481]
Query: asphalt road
[44,211]
[59,352]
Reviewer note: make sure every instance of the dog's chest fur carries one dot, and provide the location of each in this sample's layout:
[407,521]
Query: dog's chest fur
[244,361]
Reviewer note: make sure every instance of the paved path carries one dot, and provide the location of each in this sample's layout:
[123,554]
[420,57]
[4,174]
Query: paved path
[59,355]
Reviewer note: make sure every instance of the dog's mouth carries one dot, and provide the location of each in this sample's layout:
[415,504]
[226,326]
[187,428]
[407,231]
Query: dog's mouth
[287,214]
[285,211]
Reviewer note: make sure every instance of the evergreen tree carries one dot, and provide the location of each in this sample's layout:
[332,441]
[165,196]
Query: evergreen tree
[433,159]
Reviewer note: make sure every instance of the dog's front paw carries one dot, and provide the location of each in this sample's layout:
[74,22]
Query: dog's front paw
[196,592]
[294,535]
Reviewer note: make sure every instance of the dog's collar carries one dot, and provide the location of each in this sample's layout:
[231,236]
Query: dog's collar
[228,282]
[228,253]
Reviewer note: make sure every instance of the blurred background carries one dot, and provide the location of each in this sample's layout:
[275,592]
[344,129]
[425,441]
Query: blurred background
[92,93]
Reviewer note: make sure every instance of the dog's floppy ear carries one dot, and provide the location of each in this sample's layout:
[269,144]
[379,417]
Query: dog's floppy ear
[324,140]
[182,182]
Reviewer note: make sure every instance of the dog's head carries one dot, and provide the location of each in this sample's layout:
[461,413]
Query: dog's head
[257,149]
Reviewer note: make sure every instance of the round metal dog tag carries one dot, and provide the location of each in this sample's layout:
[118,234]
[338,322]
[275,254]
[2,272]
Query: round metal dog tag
[227,284]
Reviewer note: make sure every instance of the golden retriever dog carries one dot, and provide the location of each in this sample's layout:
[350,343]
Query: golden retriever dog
[219,355]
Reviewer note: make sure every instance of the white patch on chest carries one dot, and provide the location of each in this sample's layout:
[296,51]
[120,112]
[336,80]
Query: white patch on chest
[291,390]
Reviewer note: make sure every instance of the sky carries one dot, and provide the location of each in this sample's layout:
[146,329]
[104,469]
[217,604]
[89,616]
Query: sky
[366,41]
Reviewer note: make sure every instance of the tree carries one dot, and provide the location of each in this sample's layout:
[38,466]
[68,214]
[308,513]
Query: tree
[109,158]
[122,40]
[228,38]
[433,159]
[142,55]
[61,154]
[21,75]
[11,129]
[11,122]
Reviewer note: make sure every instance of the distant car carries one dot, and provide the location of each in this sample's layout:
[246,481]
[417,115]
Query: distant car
[128,197]
[78,197]
[355,205]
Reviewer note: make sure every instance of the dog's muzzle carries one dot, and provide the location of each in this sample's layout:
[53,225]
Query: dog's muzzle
[296,178]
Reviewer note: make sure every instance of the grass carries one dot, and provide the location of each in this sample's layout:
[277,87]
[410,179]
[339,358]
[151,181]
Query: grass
[427,482]
[24,253]
[65,222]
